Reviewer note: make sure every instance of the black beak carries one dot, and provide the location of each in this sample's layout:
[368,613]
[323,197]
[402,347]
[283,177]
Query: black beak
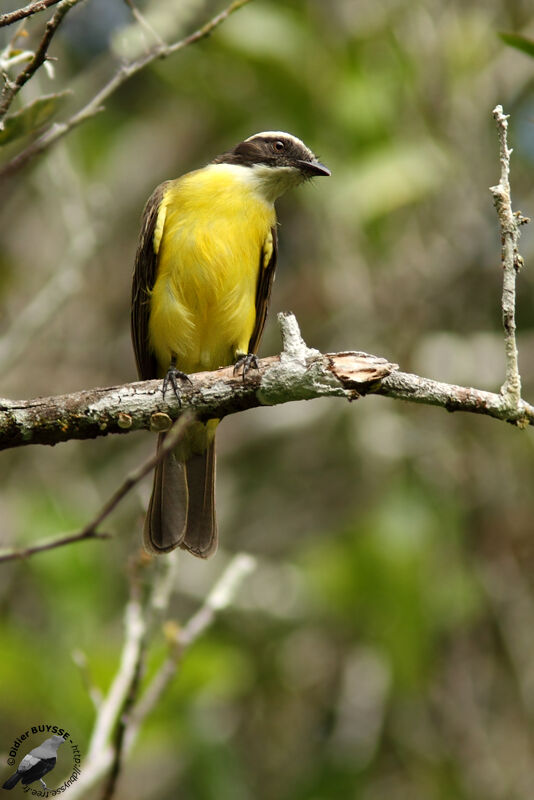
[313,168]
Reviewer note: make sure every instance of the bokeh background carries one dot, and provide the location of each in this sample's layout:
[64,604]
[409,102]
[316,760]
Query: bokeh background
[385,645]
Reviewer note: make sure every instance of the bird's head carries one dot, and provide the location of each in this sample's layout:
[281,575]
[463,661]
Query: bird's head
[277,161]
[55,741]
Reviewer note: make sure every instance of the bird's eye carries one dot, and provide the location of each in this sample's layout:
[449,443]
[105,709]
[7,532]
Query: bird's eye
[278,145]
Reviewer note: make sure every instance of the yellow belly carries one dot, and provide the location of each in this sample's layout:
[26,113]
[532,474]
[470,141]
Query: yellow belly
[211,231]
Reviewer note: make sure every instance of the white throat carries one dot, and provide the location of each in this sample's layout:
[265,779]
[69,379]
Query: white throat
[268,183]
[272,182]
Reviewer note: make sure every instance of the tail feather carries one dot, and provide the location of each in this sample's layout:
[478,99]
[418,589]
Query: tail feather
[201,530]
[12,781]
[166,517]
[181,512]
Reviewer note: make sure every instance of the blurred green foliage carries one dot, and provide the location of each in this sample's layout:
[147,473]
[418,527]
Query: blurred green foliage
[519,42]
[32,117]
[384,647]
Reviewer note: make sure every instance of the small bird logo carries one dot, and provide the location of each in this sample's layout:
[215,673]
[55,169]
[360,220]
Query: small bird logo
[36,763]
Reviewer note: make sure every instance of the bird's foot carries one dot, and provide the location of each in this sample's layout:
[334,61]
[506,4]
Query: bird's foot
[172,377]
[245,363]
[44,784]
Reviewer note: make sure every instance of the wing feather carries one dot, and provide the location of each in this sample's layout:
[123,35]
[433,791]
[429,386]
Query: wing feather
[146,262]
[268,258]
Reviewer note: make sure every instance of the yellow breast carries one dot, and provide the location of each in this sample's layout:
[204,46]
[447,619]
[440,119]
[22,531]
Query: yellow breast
[210,236]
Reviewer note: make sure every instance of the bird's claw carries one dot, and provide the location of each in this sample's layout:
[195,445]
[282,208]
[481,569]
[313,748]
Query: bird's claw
[246,363]
[172,377]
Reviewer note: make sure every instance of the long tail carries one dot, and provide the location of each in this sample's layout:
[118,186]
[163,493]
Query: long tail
[12,781]
[181,512]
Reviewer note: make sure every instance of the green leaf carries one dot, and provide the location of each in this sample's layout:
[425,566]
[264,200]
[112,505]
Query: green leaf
[518,42]
[32,116]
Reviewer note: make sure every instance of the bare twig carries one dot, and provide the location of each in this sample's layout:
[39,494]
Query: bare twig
[95,105]
[136,654]
[83,229]
[62,284]
[125,680]
[49,544]
[144,23]
[133,714]
[511,261]
[121,729]
[12,88]
[90,531]
[95,695]
[26,11]
[218,599]
[165,585]
[510,594]
[174,435]
[102,754]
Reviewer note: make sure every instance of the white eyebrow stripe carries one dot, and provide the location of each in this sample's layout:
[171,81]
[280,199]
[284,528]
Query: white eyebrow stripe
[281,134]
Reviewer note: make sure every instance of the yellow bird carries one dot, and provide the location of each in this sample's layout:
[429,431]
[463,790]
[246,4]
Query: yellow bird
[202,280]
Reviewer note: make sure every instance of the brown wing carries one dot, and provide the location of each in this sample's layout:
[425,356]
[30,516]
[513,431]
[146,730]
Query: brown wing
[144,277]
[268,258]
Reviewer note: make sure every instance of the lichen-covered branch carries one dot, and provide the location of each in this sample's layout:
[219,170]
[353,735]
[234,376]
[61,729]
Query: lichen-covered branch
[297,374]
[415,389]
[511,261]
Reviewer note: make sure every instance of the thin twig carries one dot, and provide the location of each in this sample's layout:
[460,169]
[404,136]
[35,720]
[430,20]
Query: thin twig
[508,589]
[95,105]
[90,531]
[165,585]
[122,727]
[144,23]
[511,261]
[49,544]
[83,230]
[12,88]
[138,640]
[109,712]
[62,284]
[95,694]
[172,438]
[26,11]
[102,754]
[218,599]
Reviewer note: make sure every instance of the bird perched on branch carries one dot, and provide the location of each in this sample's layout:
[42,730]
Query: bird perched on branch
[204,268]
[36,763]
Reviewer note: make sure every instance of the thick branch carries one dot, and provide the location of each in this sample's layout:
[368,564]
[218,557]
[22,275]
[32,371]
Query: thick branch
[297,374]
[95,105]
[26,11]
